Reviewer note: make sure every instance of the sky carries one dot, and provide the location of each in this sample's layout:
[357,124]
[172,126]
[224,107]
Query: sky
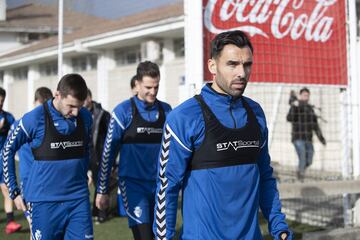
[111,9]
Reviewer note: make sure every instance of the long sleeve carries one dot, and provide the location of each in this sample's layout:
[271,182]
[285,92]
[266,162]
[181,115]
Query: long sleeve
[176,151]
[88,146]
[319,134]
[292,115]
[111,148]
[269,196]
[15,140]
[315,125]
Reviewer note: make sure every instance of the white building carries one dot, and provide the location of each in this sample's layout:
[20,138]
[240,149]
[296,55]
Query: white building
[105,53]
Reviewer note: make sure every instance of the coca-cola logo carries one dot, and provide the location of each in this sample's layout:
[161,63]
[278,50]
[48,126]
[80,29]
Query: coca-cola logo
[286,18]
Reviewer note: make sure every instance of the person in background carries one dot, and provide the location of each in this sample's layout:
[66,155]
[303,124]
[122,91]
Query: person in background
[215,149]
[56,190]
[6,120]
[100,125]
[122,211]
[135,129]
[133,85]
[303,122]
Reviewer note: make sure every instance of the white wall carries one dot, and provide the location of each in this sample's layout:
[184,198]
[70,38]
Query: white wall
[91,81]
[17,98]
[119,84]
[175,71]
[8,41]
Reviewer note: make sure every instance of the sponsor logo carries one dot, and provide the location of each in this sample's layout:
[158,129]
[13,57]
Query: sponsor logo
[138,211]
[237,145]
[89,236]
[149,130]
[67,144]
[314,24]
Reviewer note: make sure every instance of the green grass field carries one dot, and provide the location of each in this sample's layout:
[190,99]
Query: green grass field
[116,228]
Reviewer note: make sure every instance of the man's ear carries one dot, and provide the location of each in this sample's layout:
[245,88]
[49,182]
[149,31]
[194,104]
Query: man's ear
[137,82]
[57,95]
[212,66]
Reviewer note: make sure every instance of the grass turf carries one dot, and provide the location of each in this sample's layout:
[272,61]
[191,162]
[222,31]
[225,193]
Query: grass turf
[117,228]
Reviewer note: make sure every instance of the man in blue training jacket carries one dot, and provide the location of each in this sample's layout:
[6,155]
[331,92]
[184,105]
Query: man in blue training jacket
[56,192]
[26,158]
[136,129]
[215,150]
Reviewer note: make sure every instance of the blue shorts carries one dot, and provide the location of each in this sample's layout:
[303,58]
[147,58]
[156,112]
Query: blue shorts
[68,220]
[139,200]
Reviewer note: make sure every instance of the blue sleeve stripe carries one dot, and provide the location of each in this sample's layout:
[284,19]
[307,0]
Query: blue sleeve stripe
[23,128]
[176,138]
[118,121]
[264,144]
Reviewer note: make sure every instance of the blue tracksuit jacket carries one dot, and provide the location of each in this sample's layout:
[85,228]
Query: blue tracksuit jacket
[218,203]
[47,180]
[138,161]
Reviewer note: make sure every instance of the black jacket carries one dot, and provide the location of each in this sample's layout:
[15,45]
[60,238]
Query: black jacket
[304,122]
[101,120]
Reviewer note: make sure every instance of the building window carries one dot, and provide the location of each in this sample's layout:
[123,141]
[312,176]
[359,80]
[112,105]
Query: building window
[20,73]
[92,62]
[84,63]
[128,55]
[26,38]
[48,69]
[179,48]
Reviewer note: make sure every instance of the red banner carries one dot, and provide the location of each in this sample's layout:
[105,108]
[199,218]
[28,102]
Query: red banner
[295,41]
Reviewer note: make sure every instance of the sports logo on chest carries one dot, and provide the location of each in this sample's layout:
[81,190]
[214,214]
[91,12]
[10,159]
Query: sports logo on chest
[235,145]
[66,144]
[149,130]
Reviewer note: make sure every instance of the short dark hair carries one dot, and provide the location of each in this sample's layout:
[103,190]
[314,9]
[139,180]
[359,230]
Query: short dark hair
[147,68]
[42,94]
[2,92]
[89,93]
[132,82]
[236,37]
[73,84]
[304,89]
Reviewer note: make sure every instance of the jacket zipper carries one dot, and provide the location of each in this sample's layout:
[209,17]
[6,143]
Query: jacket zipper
[149,116]
[231,114]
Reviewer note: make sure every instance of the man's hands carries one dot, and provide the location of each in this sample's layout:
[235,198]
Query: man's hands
[19,203]
[284,236]
[89,175]
[102,201]
[2,122]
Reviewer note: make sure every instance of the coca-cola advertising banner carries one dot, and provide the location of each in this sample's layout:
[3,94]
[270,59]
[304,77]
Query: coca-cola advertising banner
[295,41]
